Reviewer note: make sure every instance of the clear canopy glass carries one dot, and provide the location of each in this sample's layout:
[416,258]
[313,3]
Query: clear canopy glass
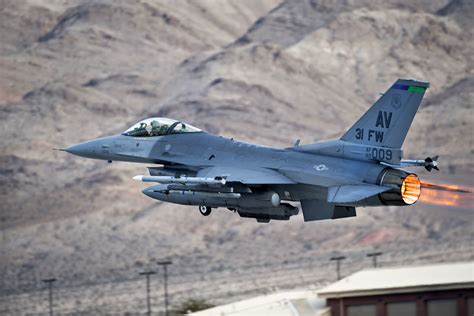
[159,126]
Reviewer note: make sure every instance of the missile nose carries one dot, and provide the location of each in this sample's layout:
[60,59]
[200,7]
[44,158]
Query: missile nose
[86,149]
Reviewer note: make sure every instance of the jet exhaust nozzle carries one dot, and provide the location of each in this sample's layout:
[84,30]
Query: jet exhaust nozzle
[406,187]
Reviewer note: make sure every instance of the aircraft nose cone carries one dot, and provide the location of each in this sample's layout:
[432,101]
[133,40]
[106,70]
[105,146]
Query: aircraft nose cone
[86,149]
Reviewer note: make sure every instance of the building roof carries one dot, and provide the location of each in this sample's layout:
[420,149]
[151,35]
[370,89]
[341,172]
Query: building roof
[289,303]
[403,280]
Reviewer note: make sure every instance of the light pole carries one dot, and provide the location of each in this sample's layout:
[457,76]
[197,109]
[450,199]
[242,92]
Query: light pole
[338,265]
[374,256]
[147,275]
[165,267]
[50,287]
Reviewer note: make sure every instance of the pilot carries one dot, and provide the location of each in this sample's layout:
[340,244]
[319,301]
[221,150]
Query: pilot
[149,130]
[155,128]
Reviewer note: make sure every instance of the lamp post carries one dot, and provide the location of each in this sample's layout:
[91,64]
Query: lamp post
[50,291]
[338,265]
[374,256]
[165,267]
[147,275]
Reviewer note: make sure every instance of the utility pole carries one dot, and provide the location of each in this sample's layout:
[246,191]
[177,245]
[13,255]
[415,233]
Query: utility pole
[50,287]
[165,267]
[147,275]
[338,265]
[374,256]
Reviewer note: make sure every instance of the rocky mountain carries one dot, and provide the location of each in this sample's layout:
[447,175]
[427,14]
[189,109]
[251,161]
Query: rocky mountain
[262,71]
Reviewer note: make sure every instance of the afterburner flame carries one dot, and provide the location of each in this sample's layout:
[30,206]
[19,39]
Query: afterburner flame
[440,197]
[448,195]
[411,189]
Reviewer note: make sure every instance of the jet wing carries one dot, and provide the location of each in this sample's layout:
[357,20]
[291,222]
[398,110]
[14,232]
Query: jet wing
[353,192]
[246,176]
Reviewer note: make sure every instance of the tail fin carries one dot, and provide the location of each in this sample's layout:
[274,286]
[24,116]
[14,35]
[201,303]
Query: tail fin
[387,122]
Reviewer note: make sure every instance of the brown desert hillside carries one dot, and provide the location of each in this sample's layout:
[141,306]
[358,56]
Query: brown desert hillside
[262,71]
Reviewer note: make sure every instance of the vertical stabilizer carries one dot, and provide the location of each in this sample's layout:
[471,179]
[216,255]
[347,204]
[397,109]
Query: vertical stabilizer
[387,122]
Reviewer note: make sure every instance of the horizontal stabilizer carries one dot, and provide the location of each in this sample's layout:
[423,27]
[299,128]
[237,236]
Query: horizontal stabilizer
[316,210]
[353,192]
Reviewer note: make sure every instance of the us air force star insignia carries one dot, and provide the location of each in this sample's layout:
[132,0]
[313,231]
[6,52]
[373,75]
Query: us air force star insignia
[396,101]
[321,167]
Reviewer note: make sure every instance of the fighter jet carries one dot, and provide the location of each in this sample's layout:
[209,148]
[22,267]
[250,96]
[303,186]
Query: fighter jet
[328,178]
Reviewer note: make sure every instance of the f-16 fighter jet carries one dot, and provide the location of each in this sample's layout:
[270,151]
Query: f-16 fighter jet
[329,178]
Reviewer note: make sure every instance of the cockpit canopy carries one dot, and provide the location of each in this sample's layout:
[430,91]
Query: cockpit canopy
[159,126]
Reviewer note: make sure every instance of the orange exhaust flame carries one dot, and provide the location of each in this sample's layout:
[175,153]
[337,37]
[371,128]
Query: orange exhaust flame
[447,195]
[446,187]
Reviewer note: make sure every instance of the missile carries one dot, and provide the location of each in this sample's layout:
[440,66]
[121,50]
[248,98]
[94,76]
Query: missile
[184,180]
[429,163]
[186,194]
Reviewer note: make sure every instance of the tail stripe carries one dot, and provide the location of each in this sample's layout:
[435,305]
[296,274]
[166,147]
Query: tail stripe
[409,88]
